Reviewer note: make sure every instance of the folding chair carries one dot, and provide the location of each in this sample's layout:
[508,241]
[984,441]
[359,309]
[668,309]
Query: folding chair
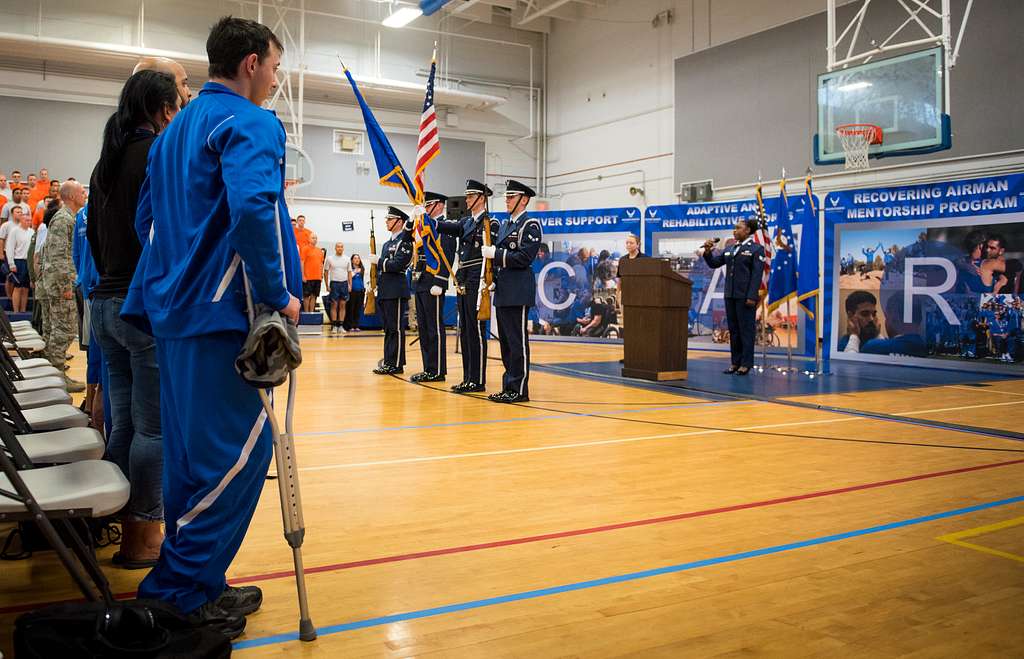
[26,374]
[26,345]
[55,497]
[40,419]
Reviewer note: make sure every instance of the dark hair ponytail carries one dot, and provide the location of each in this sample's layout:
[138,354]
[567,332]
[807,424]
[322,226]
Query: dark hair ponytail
[144,96]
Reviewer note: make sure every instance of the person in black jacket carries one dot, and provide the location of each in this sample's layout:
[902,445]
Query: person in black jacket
[393,290]
[430,289]
[515,290]
[148,102]
[744,268]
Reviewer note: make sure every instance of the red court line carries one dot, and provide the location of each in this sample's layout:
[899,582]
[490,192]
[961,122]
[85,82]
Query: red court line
[334,567]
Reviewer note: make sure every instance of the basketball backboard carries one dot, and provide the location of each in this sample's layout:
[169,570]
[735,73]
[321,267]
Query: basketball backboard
[903,95]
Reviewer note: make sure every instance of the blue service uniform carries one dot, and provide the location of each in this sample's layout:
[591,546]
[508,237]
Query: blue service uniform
[473,333]
[430,308]
[393,295]
[515,291]
[212,221]
[744,268]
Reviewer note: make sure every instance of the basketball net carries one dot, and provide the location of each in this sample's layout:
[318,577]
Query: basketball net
[857,140]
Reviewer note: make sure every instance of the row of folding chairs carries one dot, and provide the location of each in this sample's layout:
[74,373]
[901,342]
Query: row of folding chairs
[51,471]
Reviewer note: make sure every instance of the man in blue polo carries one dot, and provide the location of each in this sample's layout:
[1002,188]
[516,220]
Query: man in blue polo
[213,223]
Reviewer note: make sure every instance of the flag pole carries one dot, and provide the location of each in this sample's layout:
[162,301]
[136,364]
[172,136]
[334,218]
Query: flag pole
[763,217]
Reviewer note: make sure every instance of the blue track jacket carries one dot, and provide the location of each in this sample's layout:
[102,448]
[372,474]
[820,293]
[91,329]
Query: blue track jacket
[213,198]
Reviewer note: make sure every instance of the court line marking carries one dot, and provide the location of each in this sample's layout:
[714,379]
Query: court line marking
[520,418]
[986,390]
[624,578]
[444,551]
[606,442]
[958,538]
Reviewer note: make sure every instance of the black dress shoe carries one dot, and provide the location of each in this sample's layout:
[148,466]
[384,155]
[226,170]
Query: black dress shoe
[386,370]
[457,388]
[213,617]
[742,371]
[513,397]
[499,397]
[731,370]
[473,388]
[419,377]
[240,601]
[432,377]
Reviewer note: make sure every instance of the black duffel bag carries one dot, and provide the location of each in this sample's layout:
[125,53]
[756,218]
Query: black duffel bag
[136,628]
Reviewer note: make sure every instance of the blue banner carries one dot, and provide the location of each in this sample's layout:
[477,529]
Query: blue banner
[577,271]
[927,272]
[677,231]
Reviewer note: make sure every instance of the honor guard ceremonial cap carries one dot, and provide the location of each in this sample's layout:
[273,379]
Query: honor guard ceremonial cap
[396,213]
[476,187]
[517,188]
[430,197]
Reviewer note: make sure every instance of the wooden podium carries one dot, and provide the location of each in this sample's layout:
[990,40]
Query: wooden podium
[656,301]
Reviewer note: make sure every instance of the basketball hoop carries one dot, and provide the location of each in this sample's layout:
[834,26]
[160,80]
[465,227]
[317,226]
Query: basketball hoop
[857,139]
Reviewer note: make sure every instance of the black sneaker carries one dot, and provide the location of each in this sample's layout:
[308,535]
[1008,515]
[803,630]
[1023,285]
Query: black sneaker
[241,600]
[213,617]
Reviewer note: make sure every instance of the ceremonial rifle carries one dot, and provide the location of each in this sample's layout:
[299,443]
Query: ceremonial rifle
[483,299]
[371,290]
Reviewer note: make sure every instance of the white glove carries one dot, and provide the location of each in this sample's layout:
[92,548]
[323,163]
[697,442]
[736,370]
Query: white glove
[487,251]
[419,210]
[491,287]
[436,290]
[373,258]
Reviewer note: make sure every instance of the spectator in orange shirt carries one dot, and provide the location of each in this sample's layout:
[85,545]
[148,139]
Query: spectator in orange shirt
[37,215]
[40,189]
[312,271]
[16,179]
[302,234]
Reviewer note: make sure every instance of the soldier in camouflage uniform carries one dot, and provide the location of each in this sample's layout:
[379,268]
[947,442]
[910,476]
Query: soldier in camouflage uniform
[57,279]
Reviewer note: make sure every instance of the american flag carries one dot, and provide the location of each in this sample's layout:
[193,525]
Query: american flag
[762,238]
[429,144]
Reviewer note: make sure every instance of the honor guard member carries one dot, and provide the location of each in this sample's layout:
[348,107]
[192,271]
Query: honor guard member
[473,333]
[515,290]
[744,268]
[393,289]
[430,291]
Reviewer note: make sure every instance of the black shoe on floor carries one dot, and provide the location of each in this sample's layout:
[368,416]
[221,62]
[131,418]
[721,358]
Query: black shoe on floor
[433,377]
[742,371]
[731,370]
[388,370]
[500,397]
[213,617]
[473,388]
[419,377]
[241,600]
[457,388]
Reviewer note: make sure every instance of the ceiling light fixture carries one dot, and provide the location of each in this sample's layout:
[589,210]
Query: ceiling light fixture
[402,16]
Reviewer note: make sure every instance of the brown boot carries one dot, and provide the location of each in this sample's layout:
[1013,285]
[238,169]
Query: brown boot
[140,544]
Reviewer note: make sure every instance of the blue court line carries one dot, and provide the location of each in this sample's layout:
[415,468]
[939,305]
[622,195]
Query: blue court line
[520,418]
[622,578]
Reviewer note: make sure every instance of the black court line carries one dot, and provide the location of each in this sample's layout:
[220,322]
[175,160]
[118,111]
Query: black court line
[731,430]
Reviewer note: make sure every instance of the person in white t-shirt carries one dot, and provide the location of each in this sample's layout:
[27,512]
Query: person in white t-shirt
[16,248]
[338,278]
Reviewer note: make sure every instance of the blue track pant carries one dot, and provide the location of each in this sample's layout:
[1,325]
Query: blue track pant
[217,448]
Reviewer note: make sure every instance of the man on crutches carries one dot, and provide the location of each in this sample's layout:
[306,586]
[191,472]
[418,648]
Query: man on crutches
[213,200]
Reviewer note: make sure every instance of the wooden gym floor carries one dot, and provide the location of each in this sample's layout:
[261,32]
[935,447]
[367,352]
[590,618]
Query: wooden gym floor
[607,520]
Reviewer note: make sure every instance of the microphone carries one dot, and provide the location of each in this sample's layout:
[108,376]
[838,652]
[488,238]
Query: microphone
[716,240]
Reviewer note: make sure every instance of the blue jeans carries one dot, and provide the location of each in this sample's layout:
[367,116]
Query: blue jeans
[134,441]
